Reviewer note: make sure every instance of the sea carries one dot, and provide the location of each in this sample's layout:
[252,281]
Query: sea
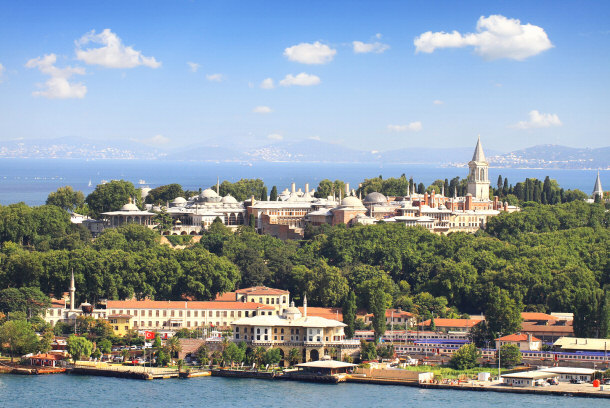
[84,391]
[31,180]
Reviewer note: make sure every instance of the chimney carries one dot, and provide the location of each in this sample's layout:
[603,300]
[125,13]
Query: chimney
[252,200]
[496,203]
[305,305]
[346,189]
[293,188]
[505,205]
[432,195]
[306,188]
[529,337]
[426,202]
[468,205]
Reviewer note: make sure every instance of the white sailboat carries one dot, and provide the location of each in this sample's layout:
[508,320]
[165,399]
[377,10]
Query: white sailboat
[89,185]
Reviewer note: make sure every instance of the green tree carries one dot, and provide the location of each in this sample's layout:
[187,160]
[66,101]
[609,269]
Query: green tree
[164,194]
[110,196]
[259,355]
[29,300]
[510,355]
[294,356]
[79,347]
[272,356]
[202,354]
[105,346]
[503,313]
[66,198]
[19,336]
[173,346]
[368,351]
[349,314]
[163,220]
[273,194]
[465,357]
[378,306]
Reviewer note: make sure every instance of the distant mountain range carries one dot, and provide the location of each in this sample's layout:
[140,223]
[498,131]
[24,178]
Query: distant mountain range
[310,150]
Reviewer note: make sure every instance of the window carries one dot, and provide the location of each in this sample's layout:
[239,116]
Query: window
[258,331]
[165,313]
[188,324]
[282,331]
[149,323]
[274,337]
[239,313]
[237,335]
[218,313]
[232,313]
[237,330]
[266,331]
[266,337]
[224,314]
[157,313]
[157,323]
[188,313]
[179,313]
[196,313]
[282,338]
[211,313]
[150,313]
[275,330]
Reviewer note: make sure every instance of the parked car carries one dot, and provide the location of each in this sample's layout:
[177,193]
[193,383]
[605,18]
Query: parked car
[576,381]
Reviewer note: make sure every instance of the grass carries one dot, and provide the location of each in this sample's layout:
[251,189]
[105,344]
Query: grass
[446,372]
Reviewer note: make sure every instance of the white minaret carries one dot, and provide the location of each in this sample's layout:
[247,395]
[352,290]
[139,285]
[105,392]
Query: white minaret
[597,189]
[305,305]
[72,291]
[478,177]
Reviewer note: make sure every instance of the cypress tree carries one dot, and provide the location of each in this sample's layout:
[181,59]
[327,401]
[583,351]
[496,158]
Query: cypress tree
[349,315]
[273,195]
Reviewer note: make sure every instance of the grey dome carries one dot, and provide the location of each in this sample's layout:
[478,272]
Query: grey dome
[375,198]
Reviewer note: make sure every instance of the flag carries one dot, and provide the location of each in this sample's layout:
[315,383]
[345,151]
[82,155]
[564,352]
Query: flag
[148,335]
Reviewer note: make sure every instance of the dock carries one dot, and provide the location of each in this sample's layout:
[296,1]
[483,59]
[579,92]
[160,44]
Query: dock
[120,371]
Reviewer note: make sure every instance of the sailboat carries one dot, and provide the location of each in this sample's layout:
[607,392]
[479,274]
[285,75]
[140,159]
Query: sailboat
[89,185]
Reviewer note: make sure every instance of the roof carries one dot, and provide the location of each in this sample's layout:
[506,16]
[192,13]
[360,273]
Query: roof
[537,316]
[375,197]
[61,303]
[119,316]
[275,320]
[327,364]
[531,375]
[225,297]
[547,328]
[597,189]
[262,290]
[516,337]
[478,155]
[47,356]
[395,313]
[179,304]
[333,313]
[581,343]
[452,322]
[568,370]
[351,201]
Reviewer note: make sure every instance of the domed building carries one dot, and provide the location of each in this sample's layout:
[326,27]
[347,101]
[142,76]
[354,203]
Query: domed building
[209,196]
[129,213]
[375,198]
[348,210]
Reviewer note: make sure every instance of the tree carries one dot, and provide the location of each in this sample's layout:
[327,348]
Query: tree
[202,355]
[432,324]
[45,340]
[162,357]
[272,356]
[66,198]
[164,194]
[259,355]
[510,355]
[465,357]
[368,351]
[110,196]
[105,346]
[503,313]
[378,306]
[163,220]
[19,336]
[29,300]
[294,356]
[173,346]
[349,314]
[273,195]
[79,347]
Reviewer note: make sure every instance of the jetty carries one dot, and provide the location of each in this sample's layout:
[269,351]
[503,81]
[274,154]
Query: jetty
[121,371]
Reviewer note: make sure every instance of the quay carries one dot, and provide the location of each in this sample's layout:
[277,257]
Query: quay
[119,371]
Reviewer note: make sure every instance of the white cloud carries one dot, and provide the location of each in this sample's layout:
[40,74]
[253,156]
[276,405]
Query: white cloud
[58,86]
[438,102]
[262,109]
[539,120]
[267,83]
[193,66]
[1,71]
[112,53]
[363,48]
[306,53]
[301,79]
[275,136]
[496,37]
[411,127]
[155,140]
[215,77]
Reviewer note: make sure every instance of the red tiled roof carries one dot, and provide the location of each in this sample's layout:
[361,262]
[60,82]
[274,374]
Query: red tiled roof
[58,303]
[516,337]
[176,304]
[47,356]
[537,316]
[225,297]
[333,313]
[262,290]
[397,313]
[566,329]
[452,322]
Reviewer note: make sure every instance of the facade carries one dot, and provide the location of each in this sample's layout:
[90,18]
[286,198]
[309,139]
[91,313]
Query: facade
[394,316]
[566,374]
[548,328]
[527,378]
[121,323]
[576,344]
[525,342]
[313,336]
[451,325]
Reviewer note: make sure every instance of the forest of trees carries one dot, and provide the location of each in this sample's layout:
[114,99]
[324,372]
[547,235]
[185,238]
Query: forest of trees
[547,257]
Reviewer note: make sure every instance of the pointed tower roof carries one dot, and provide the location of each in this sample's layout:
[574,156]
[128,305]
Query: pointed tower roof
[597,189]
[478,155]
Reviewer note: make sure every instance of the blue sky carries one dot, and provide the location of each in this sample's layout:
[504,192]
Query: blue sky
[541,79]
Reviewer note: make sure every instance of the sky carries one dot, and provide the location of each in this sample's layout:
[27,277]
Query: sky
[371,75]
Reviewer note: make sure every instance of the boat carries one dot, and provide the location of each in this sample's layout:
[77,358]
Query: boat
[89,185]
[141,182]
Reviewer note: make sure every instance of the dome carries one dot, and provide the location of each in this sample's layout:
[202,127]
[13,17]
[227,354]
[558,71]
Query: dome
[179,200]
[351,201]
[130,207]
[208,193]
[229,199]
[292,312]
[375,198]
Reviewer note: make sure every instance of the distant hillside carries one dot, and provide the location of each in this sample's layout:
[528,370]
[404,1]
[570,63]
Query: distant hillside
[555,157]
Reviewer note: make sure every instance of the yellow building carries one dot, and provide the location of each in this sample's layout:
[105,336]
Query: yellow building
[120,323]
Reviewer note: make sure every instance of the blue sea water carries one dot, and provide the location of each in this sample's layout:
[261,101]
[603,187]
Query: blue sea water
[31,180]
[83,391]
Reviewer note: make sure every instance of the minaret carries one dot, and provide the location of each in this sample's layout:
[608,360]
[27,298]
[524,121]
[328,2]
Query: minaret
[597,189]
[72,291]
[217,185]
[478,177]
[305,305]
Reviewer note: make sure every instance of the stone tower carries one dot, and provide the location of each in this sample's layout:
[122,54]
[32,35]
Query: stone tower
[597,189]
[478,176]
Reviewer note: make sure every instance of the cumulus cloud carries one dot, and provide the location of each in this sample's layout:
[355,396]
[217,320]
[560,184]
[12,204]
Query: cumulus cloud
[112,53]
[306,53]
[215,77]
[267,83]
[155,140]
[301,79]
[496,37]
[539,120]
[262,109]
[411,127]
[193,66]
[275,136]
[58,85]
[363,48]
[438,102]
